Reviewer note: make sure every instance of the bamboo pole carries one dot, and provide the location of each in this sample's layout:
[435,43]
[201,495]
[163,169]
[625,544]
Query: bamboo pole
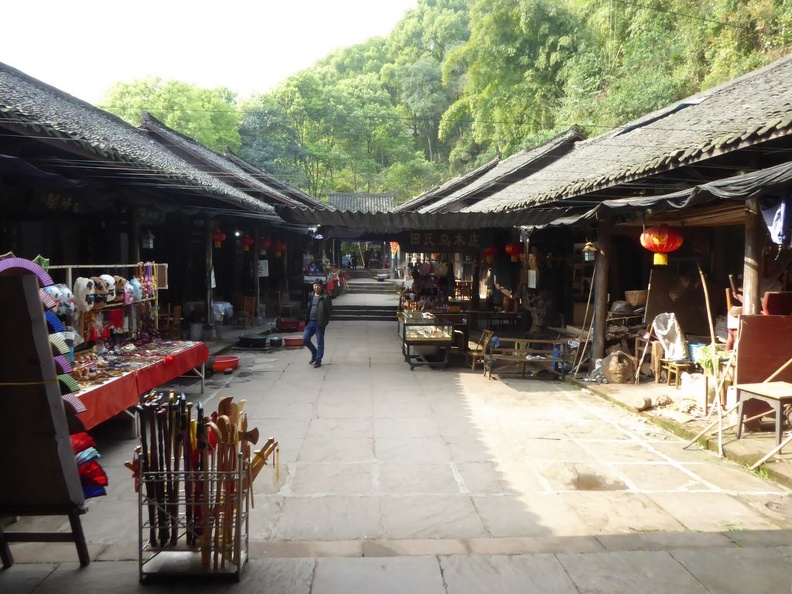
[585,316]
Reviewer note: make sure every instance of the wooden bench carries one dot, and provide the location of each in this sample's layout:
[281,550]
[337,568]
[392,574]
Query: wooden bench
[522,355]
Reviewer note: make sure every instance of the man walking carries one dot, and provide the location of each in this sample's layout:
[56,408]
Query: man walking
[320,308]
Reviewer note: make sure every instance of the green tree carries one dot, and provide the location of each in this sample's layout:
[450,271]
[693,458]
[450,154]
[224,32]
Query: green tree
[209,116]
[270,142]
[512,66]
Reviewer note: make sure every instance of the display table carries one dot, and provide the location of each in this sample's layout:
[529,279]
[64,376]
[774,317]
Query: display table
[499,319]
[123,392]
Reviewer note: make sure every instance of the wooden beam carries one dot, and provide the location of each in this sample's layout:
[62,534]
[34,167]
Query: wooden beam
[601,268]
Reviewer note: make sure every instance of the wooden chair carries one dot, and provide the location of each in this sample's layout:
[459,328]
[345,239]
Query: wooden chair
[284,305]
[247,313]
[478,351]
[173,323]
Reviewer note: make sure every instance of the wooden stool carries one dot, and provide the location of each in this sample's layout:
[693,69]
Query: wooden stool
[673,370]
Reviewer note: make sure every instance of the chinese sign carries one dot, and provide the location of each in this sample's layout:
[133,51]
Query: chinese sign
[444,241]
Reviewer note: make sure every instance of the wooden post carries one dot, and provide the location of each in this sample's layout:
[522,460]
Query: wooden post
[601,266]
[752,264]
[209,323]
[134,235]
[255,266]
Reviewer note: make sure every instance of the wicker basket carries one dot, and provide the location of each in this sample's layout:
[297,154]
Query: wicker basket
[636,298]
[618,368]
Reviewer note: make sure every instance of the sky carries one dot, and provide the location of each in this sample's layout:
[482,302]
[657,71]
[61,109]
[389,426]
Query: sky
[82,47]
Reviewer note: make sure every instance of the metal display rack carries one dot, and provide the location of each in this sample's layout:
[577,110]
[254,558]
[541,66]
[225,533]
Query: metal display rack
[193,522]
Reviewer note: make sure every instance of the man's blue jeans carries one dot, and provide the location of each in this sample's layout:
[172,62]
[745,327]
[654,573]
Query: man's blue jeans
[311,328]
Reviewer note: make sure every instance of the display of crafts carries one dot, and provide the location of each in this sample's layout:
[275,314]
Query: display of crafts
[195,470]
[57,300]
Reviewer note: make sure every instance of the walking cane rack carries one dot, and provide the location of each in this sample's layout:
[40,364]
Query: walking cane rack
[194,478]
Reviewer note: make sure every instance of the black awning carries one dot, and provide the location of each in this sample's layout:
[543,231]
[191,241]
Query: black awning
[766,182]
[341,223]
[353,224]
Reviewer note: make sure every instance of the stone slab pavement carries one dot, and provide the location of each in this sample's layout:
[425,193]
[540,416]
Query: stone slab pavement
[440,480]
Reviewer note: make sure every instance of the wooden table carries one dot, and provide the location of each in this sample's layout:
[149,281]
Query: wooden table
[776,394]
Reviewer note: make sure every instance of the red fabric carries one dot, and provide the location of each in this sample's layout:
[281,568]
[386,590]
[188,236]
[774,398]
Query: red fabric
[81,441]
[113,397]
[92,474]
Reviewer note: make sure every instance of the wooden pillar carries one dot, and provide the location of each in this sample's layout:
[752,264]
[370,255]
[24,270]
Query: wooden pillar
[255,264]
[209,228]
[752,262]
[601,273]
[134,234]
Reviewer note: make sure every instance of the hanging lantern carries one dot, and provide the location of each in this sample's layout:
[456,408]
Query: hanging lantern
[661,240]
[265,243]
[218,237]
[489,253]
[246,242]
[514,249]
[589,252]
[280,247]
[394,247]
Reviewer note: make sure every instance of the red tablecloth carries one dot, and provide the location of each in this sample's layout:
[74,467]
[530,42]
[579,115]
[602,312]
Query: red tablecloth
[121,393]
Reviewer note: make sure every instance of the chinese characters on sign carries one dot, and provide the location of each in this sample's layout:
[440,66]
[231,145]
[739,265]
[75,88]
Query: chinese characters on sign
[61,203]
[443,241]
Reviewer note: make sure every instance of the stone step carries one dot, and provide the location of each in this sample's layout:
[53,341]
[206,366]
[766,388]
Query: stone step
[370,313]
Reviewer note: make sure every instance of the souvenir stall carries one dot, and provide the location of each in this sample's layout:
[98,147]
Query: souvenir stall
[58,469]
[109,326]
[428,326]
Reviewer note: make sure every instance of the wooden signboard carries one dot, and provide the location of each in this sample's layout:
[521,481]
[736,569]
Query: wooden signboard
[38,469]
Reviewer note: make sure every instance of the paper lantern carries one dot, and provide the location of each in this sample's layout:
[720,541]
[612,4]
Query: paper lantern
[661,240]
[280,247]
[246,242]
[265,243]
[218,237]
[514,249]
[489,253]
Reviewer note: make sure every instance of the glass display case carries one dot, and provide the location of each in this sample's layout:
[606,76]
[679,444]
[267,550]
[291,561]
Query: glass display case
[426,340]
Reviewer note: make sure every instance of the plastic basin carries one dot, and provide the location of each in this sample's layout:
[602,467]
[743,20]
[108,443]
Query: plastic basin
[224,362]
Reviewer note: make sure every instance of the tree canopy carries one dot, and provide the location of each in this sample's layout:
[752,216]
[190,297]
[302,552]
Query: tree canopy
[459,81]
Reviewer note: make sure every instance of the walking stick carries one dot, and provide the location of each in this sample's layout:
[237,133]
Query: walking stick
[648,337]
[145,474]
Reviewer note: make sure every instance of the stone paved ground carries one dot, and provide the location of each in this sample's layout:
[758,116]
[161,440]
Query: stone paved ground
[394,480]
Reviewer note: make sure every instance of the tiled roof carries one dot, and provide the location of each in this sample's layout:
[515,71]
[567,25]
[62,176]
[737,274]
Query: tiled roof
[507,171]
[295,194]
[34,108]
[442,191]
[359,202]
[210,161]
[742,113]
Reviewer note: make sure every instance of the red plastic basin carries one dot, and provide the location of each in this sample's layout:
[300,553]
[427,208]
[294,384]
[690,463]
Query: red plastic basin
[224,362]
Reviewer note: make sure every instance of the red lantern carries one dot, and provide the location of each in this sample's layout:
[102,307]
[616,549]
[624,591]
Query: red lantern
[280,247]
[265,243]
[246,242]
[218,237]
[514,249]
[489,253]
[661,240]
